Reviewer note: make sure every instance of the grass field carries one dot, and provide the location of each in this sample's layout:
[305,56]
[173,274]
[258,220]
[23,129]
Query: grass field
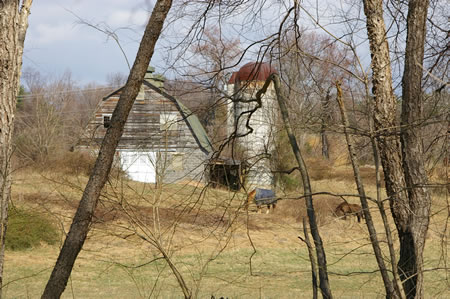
[219,248]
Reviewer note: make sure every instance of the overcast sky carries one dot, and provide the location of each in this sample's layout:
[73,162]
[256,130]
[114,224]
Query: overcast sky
[56,42]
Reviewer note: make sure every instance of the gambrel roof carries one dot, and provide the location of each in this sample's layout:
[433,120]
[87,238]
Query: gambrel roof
[191,120]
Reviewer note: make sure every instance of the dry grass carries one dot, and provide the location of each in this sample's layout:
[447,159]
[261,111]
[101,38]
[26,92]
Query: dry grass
[324,206]
[196,225]
[326,170]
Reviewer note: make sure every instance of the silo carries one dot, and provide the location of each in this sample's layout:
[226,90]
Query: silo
[255,131]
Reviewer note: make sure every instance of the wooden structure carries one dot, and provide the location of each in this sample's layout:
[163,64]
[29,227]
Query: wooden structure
[229,173]
[162,140]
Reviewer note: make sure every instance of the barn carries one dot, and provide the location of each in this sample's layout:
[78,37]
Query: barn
[163,141]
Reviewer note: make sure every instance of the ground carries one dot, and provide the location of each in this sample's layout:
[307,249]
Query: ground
[218,246]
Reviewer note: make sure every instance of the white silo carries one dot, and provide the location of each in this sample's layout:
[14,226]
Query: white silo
[255,146]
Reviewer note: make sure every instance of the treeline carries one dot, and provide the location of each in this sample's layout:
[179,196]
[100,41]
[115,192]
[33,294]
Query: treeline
[52,111]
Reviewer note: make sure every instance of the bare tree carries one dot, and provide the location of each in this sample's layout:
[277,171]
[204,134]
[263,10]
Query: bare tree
[391,292]
[417,209]
[52,115]
[216,55]
[42,124]
[116,80]
[320,251]
[83,217]
[402,161]
[13,27]
[309,65]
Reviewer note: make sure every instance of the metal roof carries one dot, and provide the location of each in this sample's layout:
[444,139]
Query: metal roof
[197,129]
[253,71]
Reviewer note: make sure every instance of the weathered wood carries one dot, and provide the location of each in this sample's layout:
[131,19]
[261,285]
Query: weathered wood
[143,132]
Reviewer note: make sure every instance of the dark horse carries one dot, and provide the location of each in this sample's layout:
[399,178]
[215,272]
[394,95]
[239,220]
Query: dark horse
[346,208]
[262,197]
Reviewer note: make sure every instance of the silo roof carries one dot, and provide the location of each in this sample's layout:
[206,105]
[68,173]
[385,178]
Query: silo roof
[253,71]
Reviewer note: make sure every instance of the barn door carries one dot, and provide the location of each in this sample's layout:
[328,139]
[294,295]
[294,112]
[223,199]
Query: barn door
[139,165]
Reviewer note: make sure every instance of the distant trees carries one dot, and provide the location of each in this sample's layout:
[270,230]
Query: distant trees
[13,28]
[215,57]
[52,114]
[309,66]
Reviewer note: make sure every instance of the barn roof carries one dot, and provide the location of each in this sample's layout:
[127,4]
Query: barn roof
[192,121]
[197,129]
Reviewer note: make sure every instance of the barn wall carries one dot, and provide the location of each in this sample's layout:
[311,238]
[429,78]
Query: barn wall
[186,164]
[143,131]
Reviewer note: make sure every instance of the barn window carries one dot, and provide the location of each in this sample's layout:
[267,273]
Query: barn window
[168,121]
[106,120]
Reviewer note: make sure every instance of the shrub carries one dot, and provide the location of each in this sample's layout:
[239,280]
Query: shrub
[319,169]
[28,229]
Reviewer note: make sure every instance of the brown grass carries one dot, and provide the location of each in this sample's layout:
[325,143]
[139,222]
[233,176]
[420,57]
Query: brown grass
[321,169]
[197,225]
[324,206]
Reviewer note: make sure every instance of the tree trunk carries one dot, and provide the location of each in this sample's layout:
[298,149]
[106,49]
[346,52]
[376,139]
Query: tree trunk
[385,108]
[404,174]
[320,251]
[13,27]
[325,119]
[312,259]
[83,217]
[411,257]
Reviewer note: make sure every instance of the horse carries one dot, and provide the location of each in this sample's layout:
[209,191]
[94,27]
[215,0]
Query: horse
[262,197]
[346,208]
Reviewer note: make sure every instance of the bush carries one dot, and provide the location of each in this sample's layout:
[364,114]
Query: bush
[319,169]
[29,229]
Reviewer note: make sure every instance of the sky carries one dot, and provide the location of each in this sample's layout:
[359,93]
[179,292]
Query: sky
[56,42]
